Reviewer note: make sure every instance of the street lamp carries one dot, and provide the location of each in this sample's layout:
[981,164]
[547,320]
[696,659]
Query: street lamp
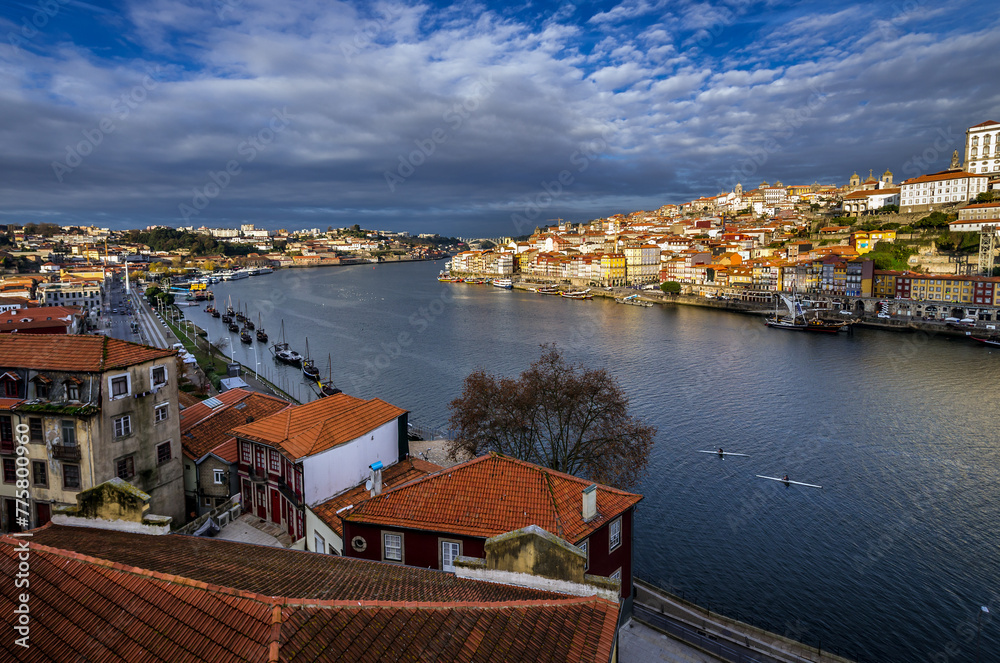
[255,362]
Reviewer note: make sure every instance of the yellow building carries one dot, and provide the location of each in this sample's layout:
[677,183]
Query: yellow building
[864,241]
[613,269]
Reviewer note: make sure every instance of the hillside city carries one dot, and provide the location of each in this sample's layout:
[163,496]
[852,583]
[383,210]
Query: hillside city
[126,451]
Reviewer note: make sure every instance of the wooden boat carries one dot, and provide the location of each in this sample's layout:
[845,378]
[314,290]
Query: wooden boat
[796,320]
[261,334]
[245,336]
[327,388]
[309,369]
[578,294]
[993,341]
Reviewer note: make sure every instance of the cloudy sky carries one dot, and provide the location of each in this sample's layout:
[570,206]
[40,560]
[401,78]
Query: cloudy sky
[469,119]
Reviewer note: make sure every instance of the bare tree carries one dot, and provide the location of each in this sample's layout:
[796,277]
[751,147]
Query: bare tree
[565,417]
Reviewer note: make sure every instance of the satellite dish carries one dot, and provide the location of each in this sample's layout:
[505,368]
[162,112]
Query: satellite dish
[368,484]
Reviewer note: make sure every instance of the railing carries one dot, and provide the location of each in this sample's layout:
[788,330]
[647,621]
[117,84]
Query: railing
[65,452]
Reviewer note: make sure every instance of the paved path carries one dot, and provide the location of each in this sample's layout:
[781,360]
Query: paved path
[639,643]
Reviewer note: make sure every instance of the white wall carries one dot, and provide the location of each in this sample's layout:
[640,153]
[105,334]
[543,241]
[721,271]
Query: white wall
[346,465]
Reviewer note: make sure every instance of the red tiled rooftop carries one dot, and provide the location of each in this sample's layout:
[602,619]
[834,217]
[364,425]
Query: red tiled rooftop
[395,475]
[92,354]
[84,606]
[304,430]
[277,571]
[491,495]
[204,428]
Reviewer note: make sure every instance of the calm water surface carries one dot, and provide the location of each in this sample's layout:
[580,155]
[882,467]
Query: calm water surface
[890,561]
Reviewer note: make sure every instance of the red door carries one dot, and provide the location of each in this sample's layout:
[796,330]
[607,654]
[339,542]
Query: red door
[43,512]
[275,506]
[247,497]
[261,503]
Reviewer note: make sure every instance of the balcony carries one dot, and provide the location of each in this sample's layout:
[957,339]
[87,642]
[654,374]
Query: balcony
[65,452]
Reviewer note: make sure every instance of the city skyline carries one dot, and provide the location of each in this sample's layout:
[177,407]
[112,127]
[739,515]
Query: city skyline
[473,119]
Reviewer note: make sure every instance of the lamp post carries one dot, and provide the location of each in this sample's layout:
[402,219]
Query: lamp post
[255,362]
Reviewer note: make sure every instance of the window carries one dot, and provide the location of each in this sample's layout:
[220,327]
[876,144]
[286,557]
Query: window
[41,390]
[125,468]
[68,433]
[119,386]
[39,473]
[161,412]
[35,431]
[275,462]
[245,454]
[208,501]
[585,547]
[617,575]
[392,547]
[6,432]
[320,543]
[72,391]
[158,375]
[10,388]
[219,476]
[449,551]
[123,426]
[71,476]
[615,533]
[163,453]
[9,471]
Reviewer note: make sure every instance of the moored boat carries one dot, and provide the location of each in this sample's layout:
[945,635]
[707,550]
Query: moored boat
[993,341]
[309,369]
[506,284]
[578,294]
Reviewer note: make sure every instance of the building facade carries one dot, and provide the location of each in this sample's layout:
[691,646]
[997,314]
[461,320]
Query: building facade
[948,187]
[982,149]
[87,409]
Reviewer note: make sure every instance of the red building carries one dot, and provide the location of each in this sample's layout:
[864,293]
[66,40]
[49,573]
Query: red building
[431,521]
[308,453]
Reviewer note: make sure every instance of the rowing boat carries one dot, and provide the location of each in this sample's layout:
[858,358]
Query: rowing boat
[724,453]
[797,483]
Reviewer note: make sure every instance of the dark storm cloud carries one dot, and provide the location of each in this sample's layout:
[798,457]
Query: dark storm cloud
[454,120]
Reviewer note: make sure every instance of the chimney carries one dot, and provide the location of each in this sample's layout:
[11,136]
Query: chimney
[374,483]
[590,502]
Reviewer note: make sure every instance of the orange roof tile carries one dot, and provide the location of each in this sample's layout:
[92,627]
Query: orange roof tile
[308,429]
[115,611]
[203,427]
[943,175]
[491,495]
[91,354]
[392,476]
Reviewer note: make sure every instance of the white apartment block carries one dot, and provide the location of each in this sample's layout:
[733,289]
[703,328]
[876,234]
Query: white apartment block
[928,192]
[70,294]
[982,148]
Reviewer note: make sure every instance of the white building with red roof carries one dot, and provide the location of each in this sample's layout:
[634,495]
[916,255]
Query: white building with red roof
[982,148]
[947,187]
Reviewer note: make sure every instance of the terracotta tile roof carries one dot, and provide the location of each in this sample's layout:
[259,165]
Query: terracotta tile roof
[9,403]
[277,571]
[943,175]
[186,400]
[203,428]
[308,429]
[392,476]
[87,607]
[981,206]
[987,123]
[91,354]
[491,495]
[227,451]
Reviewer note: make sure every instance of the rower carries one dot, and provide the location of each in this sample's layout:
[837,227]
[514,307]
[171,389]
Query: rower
[721,452]
[785,478]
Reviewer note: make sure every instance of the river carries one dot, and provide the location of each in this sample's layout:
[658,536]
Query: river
[890,560]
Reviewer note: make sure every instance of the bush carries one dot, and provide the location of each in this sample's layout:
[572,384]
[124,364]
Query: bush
[670,287]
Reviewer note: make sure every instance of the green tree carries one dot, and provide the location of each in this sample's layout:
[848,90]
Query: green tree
[890,255]
[671,287]
[568,418]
